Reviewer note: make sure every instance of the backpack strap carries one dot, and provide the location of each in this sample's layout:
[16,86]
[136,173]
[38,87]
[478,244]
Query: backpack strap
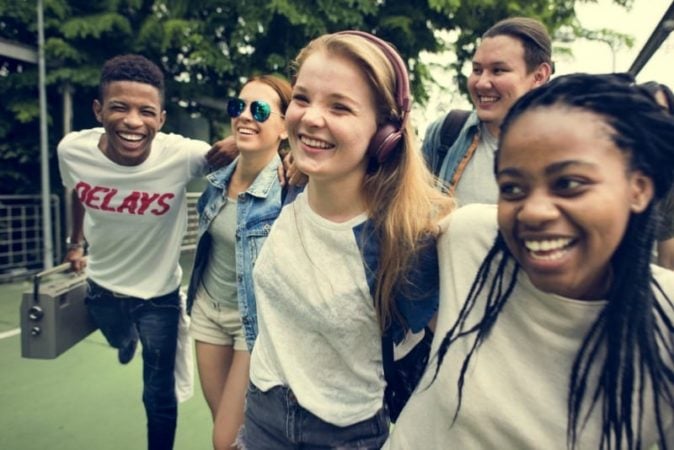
[403,376]
[451,127]
[289,193]
[464,162]
[392,381]
[387,356]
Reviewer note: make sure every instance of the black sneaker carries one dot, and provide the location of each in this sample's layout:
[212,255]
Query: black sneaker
[125,354]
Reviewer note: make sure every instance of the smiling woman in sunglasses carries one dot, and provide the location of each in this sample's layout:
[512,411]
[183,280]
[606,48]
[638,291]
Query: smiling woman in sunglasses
[235,215]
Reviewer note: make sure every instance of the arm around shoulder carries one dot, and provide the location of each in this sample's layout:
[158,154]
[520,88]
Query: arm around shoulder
[222,153]
[417,301]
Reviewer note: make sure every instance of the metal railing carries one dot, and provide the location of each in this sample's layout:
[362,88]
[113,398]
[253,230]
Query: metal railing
[21,239]
[190,238]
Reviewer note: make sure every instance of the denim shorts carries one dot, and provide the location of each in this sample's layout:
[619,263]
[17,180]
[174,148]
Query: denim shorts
[274,420]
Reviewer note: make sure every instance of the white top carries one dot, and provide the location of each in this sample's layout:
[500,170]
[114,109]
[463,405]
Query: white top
[516,388]
[318,327]
[477,183]
[136,216]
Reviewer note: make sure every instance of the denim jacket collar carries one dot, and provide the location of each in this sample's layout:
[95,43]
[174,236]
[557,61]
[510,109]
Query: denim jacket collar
[472,122]
[459,148]
[260,187]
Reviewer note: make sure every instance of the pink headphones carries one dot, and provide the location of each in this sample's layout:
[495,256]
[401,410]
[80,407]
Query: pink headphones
[388,136]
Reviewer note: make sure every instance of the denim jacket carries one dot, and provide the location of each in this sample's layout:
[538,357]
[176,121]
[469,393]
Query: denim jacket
[257,209]
[417,299]
[456,152]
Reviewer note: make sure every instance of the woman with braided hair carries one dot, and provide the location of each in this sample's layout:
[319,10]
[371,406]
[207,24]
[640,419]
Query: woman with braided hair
[664,97]
[554,331]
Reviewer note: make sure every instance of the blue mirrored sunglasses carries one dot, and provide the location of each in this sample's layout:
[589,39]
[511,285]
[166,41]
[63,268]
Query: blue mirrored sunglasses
[259,109]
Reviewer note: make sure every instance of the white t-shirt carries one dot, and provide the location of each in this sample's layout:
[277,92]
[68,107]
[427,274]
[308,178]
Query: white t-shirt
[136,216]
[318,331]
[477,183]
[516,388]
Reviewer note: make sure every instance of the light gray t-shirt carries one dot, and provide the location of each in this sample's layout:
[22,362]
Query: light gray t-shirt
[477,183]
[219,279]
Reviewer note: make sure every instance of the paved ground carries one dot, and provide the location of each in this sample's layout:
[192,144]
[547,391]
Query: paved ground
[82,400]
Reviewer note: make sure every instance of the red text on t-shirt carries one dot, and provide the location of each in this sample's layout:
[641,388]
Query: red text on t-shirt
[137,202]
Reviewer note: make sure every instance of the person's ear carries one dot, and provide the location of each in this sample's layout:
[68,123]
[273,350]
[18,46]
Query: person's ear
[641,191]
[542,74]
[162,119]
[98,108]
[283,131]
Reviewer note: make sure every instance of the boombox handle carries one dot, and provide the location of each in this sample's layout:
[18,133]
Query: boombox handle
[38,276]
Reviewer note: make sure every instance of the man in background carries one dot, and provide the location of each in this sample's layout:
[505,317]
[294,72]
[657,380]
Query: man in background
[513,57]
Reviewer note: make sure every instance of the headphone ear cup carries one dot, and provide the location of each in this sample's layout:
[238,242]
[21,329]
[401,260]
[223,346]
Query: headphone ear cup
[384,142]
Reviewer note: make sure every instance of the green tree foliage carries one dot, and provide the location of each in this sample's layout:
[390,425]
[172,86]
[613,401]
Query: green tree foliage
[208,47]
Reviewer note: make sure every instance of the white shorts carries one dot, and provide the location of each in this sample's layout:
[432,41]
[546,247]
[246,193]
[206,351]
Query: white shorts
[216,323]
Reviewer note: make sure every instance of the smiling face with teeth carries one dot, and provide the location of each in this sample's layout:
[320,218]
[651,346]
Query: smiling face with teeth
[566,195]
[499,77]
[255,138]
[331,119]
[131,113]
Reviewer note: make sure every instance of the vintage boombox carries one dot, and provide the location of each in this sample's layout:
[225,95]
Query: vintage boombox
[54,316]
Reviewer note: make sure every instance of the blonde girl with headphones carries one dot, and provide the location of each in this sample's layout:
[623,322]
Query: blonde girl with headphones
[349,259]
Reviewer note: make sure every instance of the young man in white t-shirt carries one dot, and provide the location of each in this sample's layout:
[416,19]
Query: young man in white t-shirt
[128,184]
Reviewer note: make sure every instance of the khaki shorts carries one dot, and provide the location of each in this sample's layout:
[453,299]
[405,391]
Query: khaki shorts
[216,323]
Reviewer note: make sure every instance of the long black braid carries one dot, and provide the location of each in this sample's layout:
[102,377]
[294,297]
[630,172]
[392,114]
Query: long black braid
[631,344]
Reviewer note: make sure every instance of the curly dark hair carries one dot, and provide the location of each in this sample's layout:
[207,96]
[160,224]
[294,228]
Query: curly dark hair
[131,68]
[630,347]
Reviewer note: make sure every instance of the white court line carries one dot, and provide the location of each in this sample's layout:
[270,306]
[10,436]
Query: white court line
[10,333]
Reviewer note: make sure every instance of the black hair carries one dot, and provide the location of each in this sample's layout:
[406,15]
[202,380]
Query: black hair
[131,68]
[653,88]
[666,206]
[532,34]
[630,346]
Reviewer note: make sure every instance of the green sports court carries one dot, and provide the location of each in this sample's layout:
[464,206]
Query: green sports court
[82,400]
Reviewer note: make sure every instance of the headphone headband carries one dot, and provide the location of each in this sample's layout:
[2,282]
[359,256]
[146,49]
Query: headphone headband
[389,135]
